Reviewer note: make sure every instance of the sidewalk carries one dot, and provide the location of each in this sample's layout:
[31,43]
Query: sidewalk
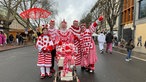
[9,47]
[137,52]
[140,49]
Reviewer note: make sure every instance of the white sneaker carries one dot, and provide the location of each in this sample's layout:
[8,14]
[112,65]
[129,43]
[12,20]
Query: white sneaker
[130,59]
[91,71]
[127,60]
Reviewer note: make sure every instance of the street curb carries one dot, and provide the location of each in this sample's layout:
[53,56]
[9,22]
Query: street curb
[16,47]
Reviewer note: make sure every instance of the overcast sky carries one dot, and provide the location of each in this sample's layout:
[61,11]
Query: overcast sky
[73,9]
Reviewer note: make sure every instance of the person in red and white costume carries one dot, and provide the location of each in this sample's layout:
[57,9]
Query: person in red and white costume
[88,47]
[52,32]
[76,30]
[64,35]
[44,45]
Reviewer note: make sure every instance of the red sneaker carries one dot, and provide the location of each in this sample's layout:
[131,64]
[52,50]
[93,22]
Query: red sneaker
[42,76]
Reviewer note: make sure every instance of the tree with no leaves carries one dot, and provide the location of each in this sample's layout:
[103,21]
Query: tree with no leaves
[14,7]
[110,9]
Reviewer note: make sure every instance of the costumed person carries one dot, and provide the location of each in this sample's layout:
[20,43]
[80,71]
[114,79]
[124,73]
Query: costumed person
[52,32]
[101,41]
[89,55]
[76,30]
[44,45]
[64,35]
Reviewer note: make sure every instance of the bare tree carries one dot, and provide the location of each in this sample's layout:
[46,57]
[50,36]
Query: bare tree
[49,5]
[14,7]
[86,19]
[10,5]
[110,9]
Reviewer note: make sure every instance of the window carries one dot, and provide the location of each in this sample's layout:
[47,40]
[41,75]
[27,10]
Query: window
[142,9]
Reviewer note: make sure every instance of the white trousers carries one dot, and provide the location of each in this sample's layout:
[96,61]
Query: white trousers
[101,46]
[45,70]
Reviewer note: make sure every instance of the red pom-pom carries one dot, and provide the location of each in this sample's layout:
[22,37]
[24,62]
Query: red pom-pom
[45,39]
[67,47]
[45,43]
[50,48]
[39,43]
[94,24]
[44,49]
[100,18]
[60,43]
[39,39]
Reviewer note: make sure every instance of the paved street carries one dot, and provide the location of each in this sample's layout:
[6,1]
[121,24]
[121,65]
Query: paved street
[19,65]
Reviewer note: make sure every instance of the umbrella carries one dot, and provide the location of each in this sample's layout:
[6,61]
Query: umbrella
[35,13]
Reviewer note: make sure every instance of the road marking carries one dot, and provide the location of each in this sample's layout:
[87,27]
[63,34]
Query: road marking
[131,56]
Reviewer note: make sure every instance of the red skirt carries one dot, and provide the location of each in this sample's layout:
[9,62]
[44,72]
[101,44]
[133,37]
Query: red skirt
[44,59]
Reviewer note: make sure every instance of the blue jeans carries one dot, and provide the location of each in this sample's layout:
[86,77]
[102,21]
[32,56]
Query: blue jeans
[129,54]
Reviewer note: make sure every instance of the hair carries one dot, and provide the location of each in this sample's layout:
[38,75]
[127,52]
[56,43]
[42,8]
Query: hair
[129,42]
[1,32]
[44,29]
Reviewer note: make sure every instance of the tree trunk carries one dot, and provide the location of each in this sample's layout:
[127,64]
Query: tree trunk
[111,29]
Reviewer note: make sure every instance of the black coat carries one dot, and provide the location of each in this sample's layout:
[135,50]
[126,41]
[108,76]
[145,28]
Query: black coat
[109,38]
[11,37]
[130,46]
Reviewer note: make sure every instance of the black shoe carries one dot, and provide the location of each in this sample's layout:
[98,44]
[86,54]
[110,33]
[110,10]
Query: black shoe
[101,52]
[110,52]
[49,75]
[83,68]
[52,70]
[106,51]
[87,70]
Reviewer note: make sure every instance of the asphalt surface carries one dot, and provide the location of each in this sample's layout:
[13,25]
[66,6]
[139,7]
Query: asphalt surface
[19,65]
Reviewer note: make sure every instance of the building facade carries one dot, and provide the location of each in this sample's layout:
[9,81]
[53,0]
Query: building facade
[140,20]
[126,20]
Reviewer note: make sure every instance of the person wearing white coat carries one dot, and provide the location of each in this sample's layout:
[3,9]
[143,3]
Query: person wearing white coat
[101,41]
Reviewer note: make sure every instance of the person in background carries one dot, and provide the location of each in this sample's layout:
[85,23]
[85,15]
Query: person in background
[122,43]
[139,41]
[116,41]
[34,37]
[21,39]
[5,36]
[2,38]
[145,44]
[11,39]
[109,41]
[17,38]
[129,46]
[101,41]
